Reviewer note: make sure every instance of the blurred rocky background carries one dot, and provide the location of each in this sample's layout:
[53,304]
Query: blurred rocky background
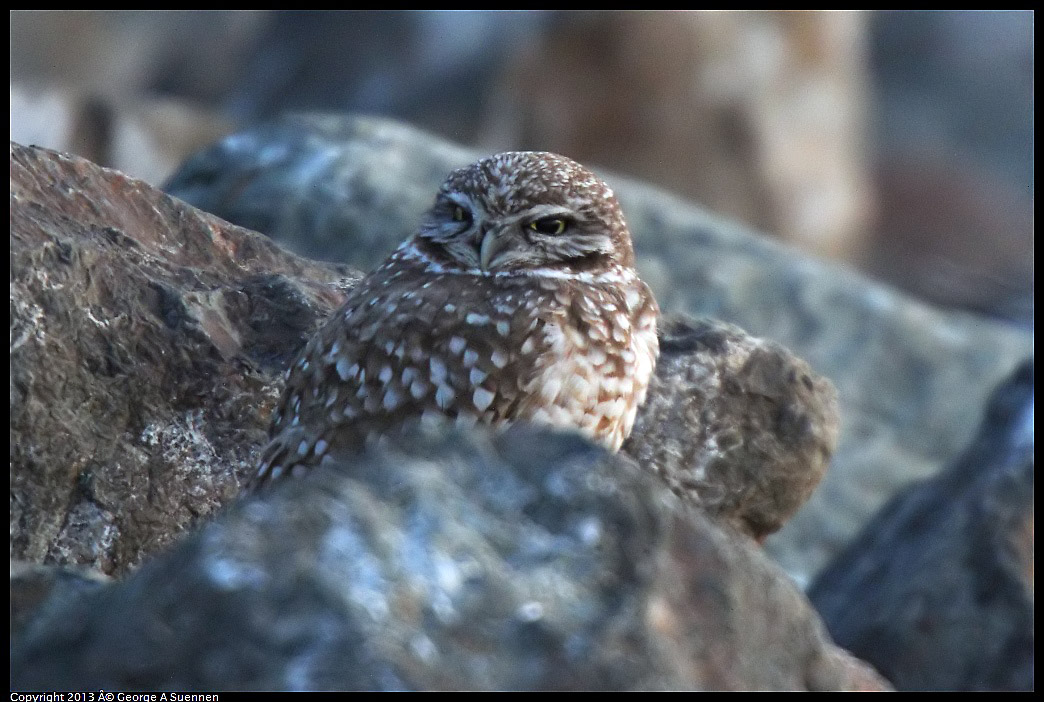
[898,144]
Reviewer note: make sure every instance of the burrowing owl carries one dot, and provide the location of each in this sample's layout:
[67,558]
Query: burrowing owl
[517,299]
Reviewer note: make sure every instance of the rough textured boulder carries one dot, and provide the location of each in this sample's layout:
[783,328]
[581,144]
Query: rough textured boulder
[736,425]
[912,380]
[528,561]
[937,592]
[147,353]
[146,343]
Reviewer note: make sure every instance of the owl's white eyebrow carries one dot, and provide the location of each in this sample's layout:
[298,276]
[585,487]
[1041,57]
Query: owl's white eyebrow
[460,200]
[541,211]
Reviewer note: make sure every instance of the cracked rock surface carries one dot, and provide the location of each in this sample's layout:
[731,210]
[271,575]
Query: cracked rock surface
[146,342]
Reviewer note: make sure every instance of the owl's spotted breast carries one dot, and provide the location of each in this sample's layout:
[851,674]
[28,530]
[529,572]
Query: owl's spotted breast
[482,317]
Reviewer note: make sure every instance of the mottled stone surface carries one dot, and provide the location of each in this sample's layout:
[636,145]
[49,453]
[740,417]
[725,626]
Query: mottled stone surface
[912,380]
[527,561]
[147,339]
[738,425]
[937,592]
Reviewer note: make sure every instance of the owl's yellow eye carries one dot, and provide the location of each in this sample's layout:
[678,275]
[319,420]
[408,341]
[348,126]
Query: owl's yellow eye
[549,225]
[459,215]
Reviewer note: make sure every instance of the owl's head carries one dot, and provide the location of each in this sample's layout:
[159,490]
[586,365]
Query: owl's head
[527,209]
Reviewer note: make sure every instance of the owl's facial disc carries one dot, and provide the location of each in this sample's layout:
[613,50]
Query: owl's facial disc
[544,235]
[541,235]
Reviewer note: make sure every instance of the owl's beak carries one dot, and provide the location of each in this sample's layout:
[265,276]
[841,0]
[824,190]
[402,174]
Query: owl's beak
[493,242]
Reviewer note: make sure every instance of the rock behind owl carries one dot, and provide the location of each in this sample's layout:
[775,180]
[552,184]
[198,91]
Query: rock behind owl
[516,300]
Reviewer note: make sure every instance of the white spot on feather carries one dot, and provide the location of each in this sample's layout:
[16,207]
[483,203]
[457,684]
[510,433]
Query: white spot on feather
[344,370]
[418,389]
[438,370]
[444,396]
[482,399]
[391,399]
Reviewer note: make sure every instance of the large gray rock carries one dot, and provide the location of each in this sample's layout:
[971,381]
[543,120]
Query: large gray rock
[530,560]
[912,380]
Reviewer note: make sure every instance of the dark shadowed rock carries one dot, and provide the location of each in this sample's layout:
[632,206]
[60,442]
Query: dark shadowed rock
[937,591]
[911,380]
[168,328]
[34,585]
[531,560]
